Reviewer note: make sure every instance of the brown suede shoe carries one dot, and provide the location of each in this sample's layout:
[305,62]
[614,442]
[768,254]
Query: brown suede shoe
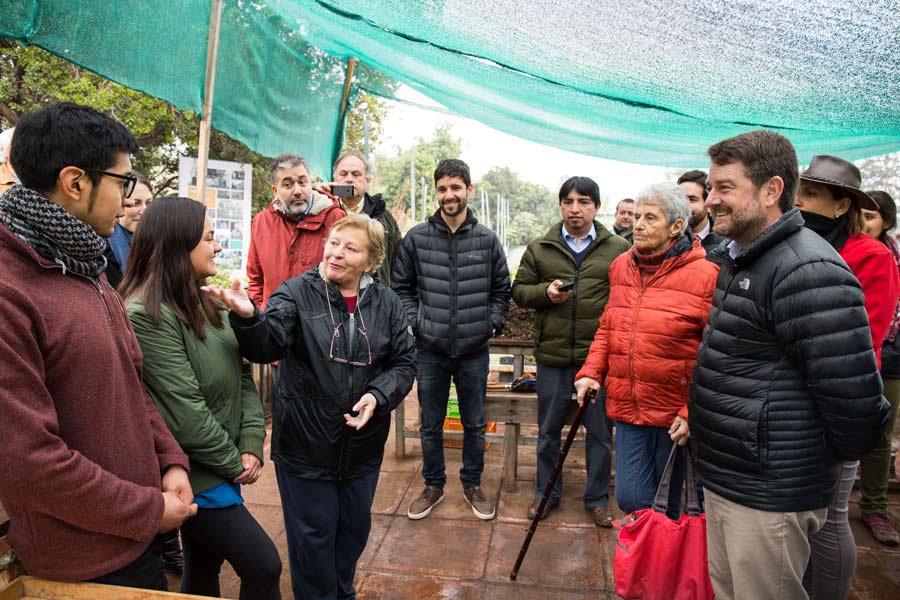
[421,507]
[882,529]
[602,516]
[549,508]
[481,506]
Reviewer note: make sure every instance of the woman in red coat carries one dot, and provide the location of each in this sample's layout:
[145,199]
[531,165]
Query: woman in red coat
[831,202]
[646,344]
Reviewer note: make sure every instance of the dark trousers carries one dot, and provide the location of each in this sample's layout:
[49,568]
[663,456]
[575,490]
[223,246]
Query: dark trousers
[641,455]
[469,374]
[327,525]
[219,534]
[555,386]
[145,572]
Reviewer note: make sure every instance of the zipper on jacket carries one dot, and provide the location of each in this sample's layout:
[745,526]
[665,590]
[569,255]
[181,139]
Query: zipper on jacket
[93,282]
[637,308]
[351,355]
[454,277]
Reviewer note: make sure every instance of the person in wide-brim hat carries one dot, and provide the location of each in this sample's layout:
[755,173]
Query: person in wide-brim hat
[831,202]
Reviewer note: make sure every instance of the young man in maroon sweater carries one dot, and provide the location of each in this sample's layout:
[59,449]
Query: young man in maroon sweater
[89,473]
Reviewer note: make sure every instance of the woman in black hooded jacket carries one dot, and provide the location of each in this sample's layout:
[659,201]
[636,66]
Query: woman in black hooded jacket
[347,360]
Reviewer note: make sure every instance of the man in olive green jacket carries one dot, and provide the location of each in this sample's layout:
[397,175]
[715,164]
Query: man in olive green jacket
[564,277]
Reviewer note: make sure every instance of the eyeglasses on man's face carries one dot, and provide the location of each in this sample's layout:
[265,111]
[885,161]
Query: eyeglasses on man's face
[335,334]
[127,187]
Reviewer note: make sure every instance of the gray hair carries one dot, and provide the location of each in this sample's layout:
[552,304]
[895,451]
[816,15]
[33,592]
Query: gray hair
[285,161]
[354,154]
[670,198]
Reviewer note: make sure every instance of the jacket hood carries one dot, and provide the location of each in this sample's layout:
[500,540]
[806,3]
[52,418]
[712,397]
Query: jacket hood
[364,281]
[374,205]
[320,202]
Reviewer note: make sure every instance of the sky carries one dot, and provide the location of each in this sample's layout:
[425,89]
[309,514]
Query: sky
[484,148]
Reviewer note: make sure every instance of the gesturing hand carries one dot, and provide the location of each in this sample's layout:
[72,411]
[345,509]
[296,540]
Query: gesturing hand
[235,298]
[365,407]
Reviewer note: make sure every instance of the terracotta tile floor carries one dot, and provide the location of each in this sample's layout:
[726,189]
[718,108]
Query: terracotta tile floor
[453,555]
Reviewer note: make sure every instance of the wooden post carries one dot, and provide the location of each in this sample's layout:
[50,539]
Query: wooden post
[212,55]
[348,79]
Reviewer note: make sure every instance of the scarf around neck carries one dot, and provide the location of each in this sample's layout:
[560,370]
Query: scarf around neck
[830,229]
[53,232]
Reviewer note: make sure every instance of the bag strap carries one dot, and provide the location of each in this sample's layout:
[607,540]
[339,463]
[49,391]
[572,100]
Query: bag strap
[661,502]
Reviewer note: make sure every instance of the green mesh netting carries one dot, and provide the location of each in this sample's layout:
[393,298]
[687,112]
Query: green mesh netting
[636,80]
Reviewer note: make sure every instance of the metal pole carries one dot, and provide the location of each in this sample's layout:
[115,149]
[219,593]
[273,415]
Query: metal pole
[412,185]
[424,199]
[212,56]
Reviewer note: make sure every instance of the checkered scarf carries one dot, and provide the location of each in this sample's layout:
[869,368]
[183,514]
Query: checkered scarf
[53,232]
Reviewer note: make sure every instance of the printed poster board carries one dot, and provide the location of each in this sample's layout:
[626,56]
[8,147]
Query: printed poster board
[228,204]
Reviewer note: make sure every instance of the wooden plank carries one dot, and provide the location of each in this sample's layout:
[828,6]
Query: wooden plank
[31,587]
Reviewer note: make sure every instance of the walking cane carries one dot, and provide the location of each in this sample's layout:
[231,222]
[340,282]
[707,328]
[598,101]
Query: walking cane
[564,451]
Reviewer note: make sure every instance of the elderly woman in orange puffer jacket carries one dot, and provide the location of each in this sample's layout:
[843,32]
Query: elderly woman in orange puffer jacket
[646,344]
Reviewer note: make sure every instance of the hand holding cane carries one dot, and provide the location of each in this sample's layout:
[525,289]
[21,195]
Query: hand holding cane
[564,451]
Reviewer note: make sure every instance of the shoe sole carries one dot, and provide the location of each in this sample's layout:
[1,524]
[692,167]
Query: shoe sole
[426,512]
[479,514]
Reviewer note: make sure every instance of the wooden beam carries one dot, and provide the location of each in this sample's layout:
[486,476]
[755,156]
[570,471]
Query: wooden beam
[212,56]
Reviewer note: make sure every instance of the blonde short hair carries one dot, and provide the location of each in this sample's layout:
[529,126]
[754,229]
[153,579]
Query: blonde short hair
[373,229]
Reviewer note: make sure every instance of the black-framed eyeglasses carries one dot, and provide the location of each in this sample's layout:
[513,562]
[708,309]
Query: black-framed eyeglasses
[336,334]
[130,180]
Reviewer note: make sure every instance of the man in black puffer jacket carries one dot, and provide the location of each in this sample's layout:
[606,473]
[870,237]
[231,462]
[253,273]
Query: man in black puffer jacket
[452,276]
[785,383]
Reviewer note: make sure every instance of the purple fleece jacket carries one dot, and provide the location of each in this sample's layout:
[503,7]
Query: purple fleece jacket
[82,445]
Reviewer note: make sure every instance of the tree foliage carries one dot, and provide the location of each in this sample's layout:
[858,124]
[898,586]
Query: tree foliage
[392,173]
[881,173]
[31,77]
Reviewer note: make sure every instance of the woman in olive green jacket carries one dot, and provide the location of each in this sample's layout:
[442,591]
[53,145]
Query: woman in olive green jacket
[203,389]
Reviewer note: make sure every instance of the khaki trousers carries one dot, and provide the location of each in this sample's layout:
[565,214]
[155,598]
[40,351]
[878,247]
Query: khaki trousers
[755,554]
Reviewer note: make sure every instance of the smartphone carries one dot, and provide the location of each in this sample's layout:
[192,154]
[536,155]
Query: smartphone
[566,286]
[343,191]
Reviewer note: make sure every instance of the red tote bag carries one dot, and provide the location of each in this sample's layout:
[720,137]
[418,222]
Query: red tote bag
[657,558]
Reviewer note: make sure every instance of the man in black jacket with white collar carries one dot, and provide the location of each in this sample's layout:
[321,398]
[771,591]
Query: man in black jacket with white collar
[452,276]
[785,382]
[693,184]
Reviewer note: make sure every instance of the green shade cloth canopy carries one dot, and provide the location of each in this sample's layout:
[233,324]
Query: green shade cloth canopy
[640,80]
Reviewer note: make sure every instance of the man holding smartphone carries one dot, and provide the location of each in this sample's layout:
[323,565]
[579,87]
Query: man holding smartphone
[564,277]
[351,178]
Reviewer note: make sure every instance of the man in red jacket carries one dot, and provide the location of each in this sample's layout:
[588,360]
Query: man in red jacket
[288,237]
[89,473]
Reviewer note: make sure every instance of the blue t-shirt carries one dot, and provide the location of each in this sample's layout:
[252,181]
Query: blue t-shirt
[223,495]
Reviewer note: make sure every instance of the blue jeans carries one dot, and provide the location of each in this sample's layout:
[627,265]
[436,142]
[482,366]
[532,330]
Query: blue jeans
[555,386]
[641,455]
[327,525]
[433,383]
